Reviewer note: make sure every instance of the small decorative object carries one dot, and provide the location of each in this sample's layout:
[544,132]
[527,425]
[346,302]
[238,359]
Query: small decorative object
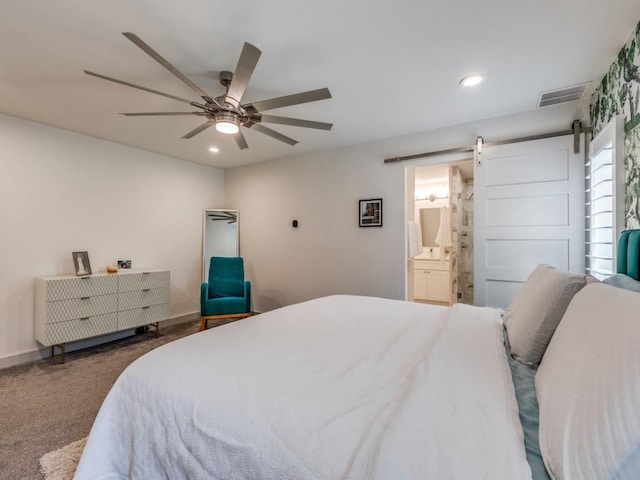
[370,212]
[112,269]
[124,263]
[81,263]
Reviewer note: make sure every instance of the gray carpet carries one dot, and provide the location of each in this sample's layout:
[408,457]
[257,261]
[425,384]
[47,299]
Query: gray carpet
[47,405]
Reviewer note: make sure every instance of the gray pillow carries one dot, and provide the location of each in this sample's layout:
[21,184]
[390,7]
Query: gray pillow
[621,280]
[537,309]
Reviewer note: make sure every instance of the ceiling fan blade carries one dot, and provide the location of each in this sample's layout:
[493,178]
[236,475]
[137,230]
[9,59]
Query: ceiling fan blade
[158,58]
[296,122]
[149,114]
[295,99]
[150,90]
[246,65]
[226,215]
[199,129]
[272,133]
[240,140]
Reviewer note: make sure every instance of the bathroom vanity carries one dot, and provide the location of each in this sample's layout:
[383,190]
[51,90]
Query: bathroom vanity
[432,279]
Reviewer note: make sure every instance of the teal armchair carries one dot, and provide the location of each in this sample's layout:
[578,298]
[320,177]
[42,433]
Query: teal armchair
[227,294]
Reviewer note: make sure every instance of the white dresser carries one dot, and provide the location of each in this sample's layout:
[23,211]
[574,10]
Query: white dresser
[70,308]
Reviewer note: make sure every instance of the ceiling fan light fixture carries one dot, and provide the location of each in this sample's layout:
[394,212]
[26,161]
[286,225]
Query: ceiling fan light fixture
[227,124]
[226,111]
[471,80]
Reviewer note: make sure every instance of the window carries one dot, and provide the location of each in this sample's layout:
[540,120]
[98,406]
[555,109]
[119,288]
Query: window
[604,196]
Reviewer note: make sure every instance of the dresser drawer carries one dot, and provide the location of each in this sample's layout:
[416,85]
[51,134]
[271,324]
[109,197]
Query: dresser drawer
[143,298]
[77,329]
[64,310]
[143,280]
[77,287]
[143,316]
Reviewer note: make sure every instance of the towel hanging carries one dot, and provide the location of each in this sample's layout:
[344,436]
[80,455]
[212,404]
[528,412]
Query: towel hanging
[443,237]
[414,239]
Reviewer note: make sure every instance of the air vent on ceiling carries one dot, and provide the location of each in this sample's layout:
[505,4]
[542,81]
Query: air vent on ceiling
[562,95]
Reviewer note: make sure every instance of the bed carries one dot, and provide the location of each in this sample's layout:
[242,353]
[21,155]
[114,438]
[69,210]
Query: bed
[349,387]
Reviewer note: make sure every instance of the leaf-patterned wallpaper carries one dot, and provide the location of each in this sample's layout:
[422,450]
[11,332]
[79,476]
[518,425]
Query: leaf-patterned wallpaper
[619,92]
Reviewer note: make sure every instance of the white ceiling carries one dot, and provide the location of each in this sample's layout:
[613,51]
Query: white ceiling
[392,66]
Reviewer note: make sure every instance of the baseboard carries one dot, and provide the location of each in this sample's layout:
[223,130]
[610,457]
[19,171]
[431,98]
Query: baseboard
[187,317]
[45,352]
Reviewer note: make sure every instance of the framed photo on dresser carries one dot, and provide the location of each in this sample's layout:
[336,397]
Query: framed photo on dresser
[81,263]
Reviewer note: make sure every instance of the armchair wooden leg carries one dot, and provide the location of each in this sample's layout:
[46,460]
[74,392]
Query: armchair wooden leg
[229,316]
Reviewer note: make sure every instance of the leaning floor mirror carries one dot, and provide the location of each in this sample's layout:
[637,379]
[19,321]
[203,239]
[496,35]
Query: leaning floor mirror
[219,236]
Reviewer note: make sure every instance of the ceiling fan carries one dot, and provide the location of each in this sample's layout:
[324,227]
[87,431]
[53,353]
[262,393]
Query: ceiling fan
[226,111]
[229,217]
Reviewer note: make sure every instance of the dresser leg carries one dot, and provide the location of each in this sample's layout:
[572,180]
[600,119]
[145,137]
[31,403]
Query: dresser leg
[61,347]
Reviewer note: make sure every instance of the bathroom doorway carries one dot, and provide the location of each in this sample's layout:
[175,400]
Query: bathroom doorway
[440,233]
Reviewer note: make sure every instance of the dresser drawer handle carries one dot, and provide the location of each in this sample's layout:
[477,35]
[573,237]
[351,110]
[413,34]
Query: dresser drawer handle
[85,318]
[85,298]
[84,278]
[147,307]
[146,273]
[146,289]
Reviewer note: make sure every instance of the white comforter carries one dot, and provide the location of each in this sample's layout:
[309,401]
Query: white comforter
[340,387]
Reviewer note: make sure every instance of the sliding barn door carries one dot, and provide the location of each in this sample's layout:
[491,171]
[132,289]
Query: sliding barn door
[529,209]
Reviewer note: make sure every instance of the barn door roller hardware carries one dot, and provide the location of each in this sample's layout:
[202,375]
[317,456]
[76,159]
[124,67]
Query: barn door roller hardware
[576,127]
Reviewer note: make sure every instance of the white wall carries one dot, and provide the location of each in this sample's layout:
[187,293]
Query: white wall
[62,192]
[329,253]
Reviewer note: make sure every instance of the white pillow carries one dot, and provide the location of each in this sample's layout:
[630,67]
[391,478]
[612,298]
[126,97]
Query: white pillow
[537,309]
[588,388]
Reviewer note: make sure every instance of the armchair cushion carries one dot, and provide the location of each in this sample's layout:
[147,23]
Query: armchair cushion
[224,306]
[226,277]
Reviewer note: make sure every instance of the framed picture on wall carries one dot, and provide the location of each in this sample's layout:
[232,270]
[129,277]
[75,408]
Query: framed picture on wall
[81,263]
[370,213]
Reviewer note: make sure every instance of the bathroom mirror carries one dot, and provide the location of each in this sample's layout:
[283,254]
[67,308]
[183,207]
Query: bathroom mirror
[219,236]
[429,224]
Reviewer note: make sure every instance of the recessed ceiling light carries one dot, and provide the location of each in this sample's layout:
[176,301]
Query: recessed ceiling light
[471,80]
[214,149]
